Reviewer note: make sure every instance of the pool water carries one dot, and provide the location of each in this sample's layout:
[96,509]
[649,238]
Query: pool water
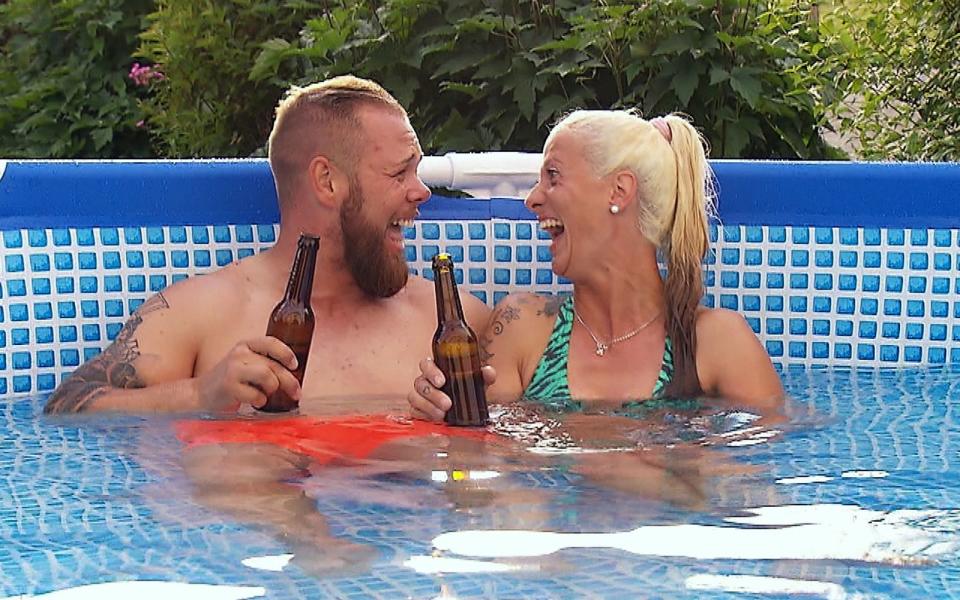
[855,494]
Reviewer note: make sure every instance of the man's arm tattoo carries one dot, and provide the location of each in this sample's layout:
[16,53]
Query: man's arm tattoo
[111,369]
[502,315]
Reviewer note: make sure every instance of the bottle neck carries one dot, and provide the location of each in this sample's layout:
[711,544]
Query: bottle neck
[448,300]
[300,285]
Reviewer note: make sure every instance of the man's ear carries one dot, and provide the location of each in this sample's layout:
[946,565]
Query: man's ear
[624,190]
[329,184]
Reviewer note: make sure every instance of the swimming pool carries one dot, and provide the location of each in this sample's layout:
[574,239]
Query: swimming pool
[850,275]
[94,501]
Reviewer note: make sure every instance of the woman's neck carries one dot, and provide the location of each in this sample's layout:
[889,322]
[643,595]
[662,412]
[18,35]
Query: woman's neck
[617,298]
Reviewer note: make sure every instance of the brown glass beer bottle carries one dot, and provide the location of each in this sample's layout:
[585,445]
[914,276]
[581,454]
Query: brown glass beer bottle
[292,320]
[456,351]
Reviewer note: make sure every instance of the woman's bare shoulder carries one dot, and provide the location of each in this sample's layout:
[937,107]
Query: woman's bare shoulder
[720,321]
[732,362]
[529,307]
[519,316]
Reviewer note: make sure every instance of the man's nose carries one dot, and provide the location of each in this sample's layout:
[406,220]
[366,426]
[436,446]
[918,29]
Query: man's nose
[420,192]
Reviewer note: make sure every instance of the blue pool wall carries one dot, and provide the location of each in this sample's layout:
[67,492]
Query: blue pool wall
[850,264]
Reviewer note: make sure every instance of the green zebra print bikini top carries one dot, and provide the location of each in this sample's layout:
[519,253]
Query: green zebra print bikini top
[550,387]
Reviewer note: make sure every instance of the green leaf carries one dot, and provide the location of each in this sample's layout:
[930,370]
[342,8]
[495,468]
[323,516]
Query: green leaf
[268,60]
[735,140]
[746,86]
[567,43]
[718,74]
[685,80]
[101,137]
[550,108]
[675,44]
[469,89]
[460,61]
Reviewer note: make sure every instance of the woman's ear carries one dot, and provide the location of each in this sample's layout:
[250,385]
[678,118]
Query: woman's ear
[624,189]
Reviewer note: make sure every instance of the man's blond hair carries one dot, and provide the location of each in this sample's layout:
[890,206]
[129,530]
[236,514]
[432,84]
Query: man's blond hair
[322,119]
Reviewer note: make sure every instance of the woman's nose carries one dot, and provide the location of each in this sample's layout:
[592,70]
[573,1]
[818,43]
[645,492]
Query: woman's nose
[534,198]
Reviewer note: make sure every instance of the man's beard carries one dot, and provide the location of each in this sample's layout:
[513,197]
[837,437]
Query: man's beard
[378,272]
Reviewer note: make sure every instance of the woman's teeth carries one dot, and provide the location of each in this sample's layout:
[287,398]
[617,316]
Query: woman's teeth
[554,225]
[403,223]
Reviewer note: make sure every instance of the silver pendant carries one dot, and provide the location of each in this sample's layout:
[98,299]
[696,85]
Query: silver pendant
[601,349]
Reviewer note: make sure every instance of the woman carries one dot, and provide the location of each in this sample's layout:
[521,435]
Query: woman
[614,190]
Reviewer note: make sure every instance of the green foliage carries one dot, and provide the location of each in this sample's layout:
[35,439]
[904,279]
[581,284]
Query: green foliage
[64,90]
[898,81]
[495,74]
[206,105]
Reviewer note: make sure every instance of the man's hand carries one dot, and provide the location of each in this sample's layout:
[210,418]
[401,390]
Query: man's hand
[427,401]
[249,374]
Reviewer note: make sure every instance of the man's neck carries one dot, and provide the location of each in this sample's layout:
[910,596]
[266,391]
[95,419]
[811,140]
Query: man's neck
[333,284]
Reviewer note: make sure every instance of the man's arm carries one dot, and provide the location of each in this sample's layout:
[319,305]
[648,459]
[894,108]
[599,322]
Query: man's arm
[112,381]
[150,365]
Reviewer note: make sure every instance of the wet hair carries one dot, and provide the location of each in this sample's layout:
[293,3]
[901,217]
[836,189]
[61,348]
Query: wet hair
[322,119]
[675,200]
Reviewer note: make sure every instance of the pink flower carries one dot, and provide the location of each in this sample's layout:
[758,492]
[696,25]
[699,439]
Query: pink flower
[141,74]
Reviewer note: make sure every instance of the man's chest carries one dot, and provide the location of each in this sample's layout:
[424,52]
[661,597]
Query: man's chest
[349,354]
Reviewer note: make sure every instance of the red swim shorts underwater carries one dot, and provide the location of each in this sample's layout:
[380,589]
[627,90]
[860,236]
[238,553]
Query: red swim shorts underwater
[325,439]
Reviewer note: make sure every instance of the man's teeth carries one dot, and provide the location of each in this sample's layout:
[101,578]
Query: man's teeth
[551,224]
[403,223]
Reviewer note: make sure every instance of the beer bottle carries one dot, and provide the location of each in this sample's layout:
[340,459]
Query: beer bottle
[456,351]
[292,320]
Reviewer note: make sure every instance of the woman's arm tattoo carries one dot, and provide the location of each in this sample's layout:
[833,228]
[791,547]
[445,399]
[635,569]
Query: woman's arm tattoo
[111,369]
[502,315]
[552,307]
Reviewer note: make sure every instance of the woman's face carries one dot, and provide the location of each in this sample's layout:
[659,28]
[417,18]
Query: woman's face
[568,202]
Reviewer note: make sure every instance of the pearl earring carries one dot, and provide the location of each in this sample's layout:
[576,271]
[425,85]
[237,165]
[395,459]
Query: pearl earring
[614,209]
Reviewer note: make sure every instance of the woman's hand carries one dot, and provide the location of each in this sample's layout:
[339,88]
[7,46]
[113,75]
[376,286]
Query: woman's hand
[427,400]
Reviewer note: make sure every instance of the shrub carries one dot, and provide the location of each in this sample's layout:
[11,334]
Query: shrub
[64,86]
[494,74]
[898,84]
[206,105]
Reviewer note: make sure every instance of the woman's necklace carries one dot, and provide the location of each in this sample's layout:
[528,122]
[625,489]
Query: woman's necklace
[602,347]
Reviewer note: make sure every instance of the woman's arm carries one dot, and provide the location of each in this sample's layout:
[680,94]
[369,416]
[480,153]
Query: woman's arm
[511,343]
[732,363]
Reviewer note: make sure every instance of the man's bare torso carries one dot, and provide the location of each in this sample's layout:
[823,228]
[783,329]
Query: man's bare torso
[362,347]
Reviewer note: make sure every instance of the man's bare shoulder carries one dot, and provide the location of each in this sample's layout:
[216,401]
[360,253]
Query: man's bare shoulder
[422,293]
[223,286]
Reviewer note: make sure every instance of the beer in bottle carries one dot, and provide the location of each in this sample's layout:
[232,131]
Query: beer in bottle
[456,351]
[292,320]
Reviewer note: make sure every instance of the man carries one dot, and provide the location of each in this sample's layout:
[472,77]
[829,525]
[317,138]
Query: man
[344,159]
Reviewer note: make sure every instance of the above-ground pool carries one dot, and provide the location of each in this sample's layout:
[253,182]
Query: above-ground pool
[857,495]
[849,274]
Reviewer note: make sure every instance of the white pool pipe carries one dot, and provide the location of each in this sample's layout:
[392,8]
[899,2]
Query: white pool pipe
[483,174]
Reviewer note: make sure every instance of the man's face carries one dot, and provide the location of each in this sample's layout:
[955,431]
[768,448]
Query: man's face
[385,192]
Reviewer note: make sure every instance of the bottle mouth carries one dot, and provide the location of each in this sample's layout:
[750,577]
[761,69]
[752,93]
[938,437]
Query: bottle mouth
[442,261]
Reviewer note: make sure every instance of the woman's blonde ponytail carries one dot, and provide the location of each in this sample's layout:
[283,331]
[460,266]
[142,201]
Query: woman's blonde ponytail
[685,241]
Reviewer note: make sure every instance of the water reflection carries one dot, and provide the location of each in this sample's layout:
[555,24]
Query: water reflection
[274,473]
